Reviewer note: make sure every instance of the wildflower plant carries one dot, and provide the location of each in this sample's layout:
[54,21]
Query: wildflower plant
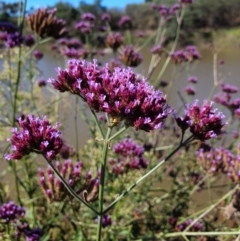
[79,194]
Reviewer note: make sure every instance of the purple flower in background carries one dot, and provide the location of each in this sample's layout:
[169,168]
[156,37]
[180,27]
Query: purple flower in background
[157,49]
[106,17]
[35,135]
[174,9]
[130,57]
[163,10]
[13,40]
[130,156]
[203,121]
[8,27]
[237,113]
[37,54]
[189,90]
[114,40]
[88,17]
[29,40]
[121,93]
[186,1]
[106,221]
[3,36]
[42,82]
[193,79]
[31,234]
[11,212]
[197,227]
[140,34]
[125,22]
[230,89]
[84,26]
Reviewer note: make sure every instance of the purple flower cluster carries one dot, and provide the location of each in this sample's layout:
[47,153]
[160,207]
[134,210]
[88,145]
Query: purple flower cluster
[86,23]
[130,157]
[29,40]
[54,189]
[190,90]
[197,227]
[125,22]
[130,57]
[193,79]
[37,54]
[70,43]
[114,41]
[229,89]
[166,11]
[73,53]
[186,1]
[105,17]
[237,113]
[88,17]
[225,98]
[35,135]
[14,40]
[216,160]
[220,160]
[106,221]
[42,82]
[157,49]
[121,94]
[189,54]
[31,234]
[204,122]
[11,212]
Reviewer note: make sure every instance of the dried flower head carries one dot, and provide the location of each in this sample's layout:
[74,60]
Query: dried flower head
[130,57]
[121,94]
[45,23]
[114,41]
[35,135]
[54,189]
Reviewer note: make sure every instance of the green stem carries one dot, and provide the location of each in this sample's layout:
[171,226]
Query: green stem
[146,175]
[76,126]
[102,181]
[118,133]
[173,47]
[70,190]
[97,123]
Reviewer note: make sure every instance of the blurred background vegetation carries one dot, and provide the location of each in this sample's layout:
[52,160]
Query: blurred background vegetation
[202,18]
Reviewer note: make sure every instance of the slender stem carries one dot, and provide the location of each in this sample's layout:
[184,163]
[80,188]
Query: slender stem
[217,233]
[173,47]
[97,122]
[76,126]
[102,181]
[146,175]
[118,133]
[70,190]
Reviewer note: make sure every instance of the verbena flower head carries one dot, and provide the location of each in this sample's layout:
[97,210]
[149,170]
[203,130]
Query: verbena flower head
[121,94]
[193,79]
[197,227]
[114,41]
[11,212]
[125,22]
[157,49]
[75,53]
[8,27]
[37,54]
[230,89]
[130,57]
[42,82]
[106,17]
[45,23]
[204,122]
[29,40]
[88,17]
[54,189]
[106,220]
[189,90]
[130,157]
[174,9]
[13,40]
[35,135]
[84,26]
[186,1]
[31,234]
[237,113]
[163,10]
[215,160]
